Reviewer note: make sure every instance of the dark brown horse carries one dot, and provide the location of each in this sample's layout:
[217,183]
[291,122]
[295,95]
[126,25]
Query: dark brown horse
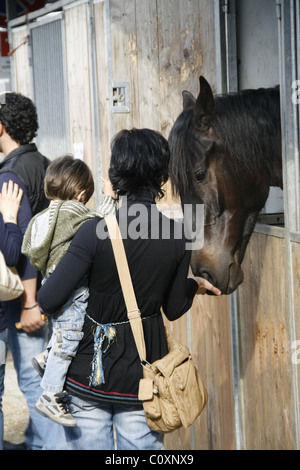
[225,154]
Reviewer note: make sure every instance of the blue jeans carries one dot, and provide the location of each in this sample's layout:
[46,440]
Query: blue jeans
[95,422]
[24,346]
[3,352]
[67,332]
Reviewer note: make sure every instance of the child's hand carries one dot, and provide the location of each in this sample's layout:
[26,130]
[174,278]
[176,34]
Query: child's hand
[10,200]
[108,189]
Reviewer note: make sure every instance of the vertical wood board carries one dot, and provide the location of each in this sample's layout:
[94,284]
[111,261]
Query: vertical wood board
[21,69]
[103,83]
[265,347]
[78,79]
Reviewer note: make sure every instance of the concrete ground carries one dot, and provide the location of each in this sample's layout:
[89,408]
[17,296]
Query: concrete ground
[14,408]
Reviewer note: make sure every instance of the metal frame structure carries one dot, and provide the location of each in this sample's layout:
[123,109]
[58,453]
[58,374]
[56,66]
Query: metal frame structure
[288,15]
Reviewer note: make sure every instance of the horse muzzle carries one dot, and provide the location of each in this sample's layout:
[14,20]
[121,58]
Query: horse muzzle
[226,278]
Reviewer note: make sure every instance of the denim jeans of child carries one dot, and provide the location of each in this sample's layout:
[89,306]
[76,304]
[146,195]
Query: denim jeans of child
[67,333]
[96,422]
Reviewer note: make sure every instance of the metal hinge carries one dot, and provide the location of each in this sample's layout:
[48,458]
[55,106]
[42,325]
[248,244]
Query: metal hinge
[278,10]
[225,6]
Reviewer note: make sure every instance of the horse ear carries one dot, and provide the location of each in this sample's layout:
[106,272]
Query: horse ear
[205,106]
[188,100]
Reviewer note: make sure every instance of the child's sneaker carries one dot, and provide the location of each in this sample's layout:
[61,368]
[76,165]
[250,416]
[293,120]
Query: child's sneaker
[55,408]
[39,362]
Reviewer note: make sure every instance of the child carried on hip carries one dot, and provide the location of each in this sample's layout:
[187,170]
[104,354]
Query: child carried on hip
[69,185]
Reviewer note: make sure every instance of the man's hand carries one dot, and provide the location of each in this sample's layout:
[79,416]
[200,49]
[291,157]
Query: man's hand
[32,320]
[31,317]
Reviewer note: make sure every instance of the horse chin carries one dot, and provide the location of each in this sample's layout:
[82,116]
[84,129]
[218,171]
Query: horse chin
[236,277]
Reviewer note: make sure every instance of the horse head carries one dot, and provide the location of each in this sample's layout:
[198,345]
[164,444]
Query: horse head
[205,170]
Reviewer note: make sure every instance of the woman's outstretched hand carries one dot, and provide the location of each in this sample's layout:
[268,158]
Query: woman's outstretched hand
[204,285]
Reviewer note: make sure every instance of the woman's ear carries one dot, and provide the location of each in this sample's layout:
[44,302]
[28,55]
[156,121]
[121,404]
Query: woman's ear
[78,197]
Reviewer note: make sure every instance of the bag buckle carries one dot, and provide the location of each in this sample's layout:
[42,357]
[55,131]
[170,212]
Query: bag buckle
[143,363]
[135,316]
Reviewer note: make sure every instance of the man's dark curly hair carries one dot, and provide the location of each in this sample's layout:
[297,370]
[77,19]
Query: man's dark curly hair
[139,160]
[19,117]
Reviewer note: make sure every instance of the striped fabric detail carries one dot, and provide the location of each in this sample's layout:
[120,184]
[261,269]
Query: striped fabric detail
[73,207]
[93,392]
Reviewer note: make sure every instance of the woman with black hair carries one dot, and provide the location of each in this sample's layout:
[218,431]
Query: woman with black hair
[104,376]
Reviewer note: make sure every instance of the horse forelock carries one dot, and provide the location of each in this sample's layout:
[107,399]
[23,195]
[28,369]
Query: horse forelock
[179,152]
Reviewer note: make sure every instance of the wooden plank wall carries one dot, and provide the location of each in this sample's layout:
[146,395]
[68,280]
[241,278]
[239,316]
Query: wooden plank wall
[20,62]
[159,48]
[206,330]
[78,79]
[265,354]
[295,247]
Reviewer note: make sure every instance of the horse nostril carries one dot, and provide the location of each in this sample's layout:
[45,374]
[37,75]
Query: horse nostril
[210,278]
[206,275]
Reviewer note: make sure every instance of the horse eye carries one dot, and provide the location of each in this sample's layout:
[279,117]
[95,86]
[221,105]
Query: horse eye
[200,175]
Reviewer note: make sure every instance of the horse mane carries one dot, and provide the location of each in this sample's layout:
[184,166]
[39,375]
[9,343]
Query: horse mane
[246,122]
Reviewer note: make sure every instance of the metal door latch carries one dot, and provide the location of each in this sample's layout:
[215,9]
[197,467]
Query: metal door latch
[120,97]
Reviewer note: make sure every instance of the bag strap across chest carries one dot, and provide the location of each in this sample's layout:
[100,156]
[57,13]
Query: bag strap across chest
[133,312]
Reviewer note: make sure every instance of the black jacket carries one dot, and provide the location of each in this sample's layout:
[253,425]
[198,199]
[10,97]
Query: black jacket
[30,166]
